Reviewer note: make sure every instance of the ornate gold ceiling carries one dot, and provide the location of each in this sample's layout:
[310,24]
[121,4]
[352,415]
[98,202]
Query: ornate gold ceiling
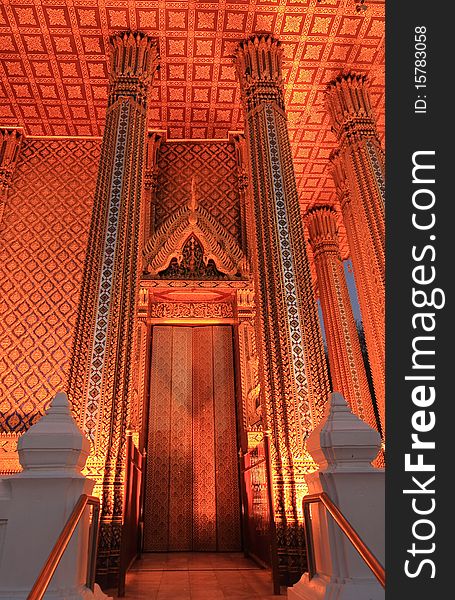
[53,67]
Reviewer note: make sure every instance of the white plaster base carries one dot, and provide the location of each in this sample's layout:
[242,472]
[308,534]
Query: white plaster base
[35,505]
[319,588]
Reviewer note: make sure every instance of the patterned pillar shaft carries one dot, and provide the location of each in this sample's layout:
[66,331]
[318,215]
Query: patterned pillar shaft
[293,372]
[143,360]
[345,356]
[251,429]
[359,175]
[150,183]
[10,145]
[100,378]
[242,173]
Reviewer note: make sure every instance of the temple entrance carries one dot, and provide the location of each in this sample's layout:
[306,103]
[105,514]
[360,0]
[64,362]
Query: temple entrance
[192,498]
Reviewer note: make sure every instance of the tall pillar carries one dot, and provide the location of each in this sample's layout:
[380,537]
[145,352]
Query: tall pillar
[143,349]
[150,183]
[245,206]
[359,175]
[292,368]
[10,145]
[251,409]
[101,378]
[345,356]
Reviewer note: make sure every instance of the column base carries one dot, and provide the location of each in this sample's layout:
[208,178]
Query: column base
[320,588]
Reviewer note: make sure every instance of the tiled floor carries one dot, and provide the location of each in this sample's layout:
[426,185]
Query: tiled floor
[198,576]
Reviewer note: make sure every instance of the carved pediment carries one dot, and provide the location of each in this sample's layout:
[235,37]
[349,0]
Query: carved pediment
[193,225]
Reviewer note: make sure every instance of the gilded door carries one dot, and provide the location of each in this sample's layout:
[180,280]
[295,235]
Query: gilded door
[192,490]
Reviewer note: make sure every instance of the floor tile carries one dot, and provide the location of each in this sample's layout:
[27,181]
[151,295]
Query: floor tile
[198,576]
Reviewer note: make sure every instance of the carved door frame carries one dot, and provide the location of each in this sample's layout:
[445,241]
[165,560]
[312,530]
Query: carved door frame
[196,303]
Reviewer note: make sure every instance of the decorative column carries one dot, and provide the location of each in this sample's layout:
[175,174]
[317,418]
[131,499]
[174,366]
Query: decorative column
[101,378]
[345,356]
[143,349]
[150,183]
[241,153]
[251,409]
[359,175]
[292,368]
[10,145]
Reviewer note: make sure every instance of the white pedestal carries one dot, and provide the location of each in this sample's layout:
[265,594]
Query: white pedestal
[344,447]
[321,589]
[35,505]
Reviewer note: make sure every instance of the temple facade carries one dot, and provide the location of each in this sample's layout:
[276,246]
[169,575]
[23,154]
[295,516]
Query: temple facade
[174,286]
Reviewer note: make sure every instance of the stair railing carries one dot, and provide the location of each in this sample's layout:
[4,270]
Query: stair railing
[365,553]
[51,564]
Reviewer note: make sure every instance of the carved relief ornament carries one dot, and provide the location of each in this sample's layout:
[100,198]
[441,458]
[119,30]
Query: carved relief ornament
[168,241]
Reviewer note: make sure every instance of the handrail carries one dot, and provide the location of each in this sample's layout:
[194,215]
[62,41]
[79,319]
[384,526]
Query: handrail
[51,564]
[352,535]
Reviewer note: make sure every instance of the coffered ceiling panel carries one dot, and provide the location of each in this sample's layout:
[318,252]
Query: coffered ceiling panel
[53,67]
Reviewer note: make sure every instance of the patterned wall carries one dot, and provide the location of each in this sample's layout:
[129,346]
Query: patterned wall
[42,247]
[213,166]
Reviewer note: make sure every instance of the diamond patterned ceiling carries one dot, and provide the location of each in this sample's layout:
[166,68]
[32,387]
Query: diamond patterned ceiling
[53,68]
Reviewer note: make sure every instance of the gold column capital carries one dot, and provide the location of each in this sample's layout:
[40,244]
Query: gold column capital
[322,228]
[258,61]
[348,103]
[134,59]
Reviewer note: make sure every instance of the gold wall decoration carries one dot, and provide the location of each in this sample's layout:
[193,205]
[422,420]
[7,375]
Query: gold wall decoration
[358,170]
[193,310]
[189,228]
[249,364]
[201,284]
[292,367]
[43,238]
[210,166]
[101,371]
[142,361]
[241,153]
[9,457]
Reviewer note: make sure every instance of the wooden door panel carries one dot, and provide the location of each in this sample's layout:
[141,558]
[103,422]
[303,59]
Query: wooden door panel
[204,523]
[226,458]
[156,507]
[192,489]
[180,449]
